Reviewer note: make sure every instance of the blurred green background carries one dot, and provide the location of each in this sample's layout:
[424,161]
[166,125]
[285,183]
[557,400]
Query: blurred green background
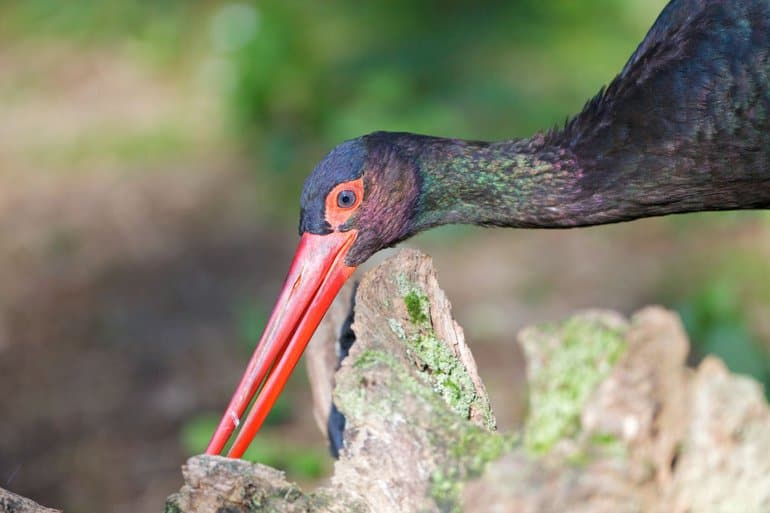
[151,155]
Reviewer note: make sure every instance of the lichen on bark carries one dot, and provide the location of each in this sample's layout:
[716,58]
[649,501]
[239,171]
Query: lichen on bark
[566,362]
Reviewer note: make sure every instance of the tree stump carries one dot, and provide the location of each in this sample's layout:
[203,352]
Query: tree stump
[616,422]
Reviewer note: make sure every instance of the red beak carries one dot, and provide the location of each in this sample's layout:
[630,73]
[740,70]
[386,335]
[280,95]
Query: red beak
[317,273]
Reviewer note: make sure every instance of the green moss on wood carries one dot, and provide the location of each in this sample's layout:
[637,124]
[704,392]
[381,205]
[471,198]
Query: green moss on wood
[569,373]
[287,498]
[447,375]
[416,306]
[608,444]
[478,447]
[171,506]
[356,402]
[445,371]
[397,328]
[475,448]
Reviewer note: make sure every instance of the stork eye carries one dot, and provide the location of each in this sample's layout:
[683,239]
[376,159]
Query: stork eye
[346,199]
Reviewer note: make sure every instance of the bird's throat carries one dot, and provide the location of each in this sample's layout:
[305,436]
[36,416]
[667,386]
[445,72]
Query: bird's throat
[521,183]
[547,182]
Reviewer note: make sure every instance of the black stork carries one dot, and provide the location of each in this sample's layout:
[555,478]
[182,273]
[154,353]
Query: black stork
[684,127]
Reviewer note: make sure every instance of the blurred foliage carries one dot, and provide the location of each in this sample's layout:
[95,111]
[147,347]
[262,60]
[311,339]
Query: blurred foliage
[723,303]
[141,147]
[269,448]
[306,76]
[298,77]
[156,30]
[715,320]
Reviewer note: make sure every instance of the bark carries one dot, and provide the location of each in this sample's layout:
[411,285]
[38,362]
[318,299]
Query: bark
[616,423]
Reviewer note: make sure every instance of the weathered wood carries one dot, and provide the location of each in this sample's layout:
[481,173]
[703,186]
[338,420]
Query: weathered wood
[617,422]
[418,418]
[654,437]
[12,503]
[218,484]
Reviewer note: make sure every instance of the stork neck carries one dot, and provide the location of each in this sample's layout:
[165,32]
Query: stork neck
[520,183]
[544,183]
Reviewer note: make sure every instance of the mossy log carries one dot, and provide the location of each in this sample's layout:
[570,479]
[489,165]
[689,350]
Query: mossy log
[616,423]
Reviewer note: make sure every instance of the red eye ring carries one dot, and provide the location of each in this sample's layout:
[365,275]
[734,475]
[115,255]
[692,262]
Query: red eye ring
[343,200]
